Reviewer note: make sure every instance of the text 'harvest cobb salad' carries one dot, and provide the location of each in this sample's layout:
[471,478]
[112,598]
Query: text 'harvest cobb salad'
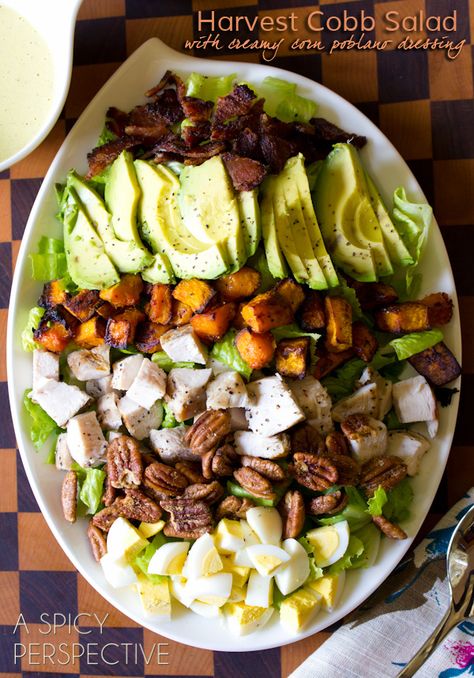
[218,351]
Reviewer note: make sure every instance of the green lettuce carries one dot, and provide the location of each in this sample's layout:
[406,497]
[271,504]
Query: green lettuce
[282,100]
[377,501]
[293,332]
[315,572]
[49,263]
[226,352]
[341,382]
[41,424]
[34,316]
[163,360]
[411,344]
[169,420]
[142,560]
[209,87]
[105,136]
[259,262]
[352,558]
[399,501]
[392,422]
[369,535]
[92,489]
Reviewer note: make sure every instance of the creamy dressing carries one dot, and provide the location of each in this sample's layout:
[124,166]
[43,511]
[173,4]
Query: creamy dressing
[26,82]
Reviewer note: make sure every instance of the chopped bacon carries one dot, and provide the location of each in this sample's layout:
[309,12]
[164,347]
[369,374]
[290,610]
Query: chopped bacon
[117,120]
[237,102]
[326,131]
[276,151]
[168,107]
[169,78]
[102,156]
[245,173]
[197,109]
[195,134]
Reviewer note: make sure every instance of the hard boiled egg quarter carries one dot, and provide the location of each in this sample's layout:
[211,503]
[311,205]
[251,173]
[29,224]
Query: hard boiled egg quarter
[265,521]
[203,559]
[229,536]
[259,590]
[296,571]
[244,619]
[329,542]
[214,589]
[169,558]
[266,558]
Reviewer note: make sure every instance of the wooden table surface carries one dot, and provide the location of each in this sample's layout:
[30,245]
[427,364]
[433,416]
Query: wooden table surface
[422,101]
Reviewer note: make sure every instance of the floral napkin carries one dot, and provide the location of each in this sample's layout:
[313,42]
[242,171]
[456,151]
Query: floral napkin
[381,637]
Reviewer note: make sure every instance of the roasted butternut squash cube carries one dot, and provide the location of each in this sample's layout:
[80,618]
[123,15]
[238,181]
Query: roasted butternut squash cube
[291,291]
[181,315]
[327,362]
[256,349]
[238,321]
[211,325]
[266,311]
[238,285]
[374,295]
[339,324]
[121,329]
[411,316]
[56,330]
[106,310]
[160,308]
[364,341]
[125,293]
[53,294]
[91,333]
[437,364]
[83,305]
[440,308]
[311,314]
[147,336]
[195,293]
[292,357]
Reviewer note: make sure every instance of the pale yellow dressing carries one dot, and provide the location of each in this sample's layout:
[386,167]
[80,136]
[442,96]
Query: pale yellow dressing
[26,82]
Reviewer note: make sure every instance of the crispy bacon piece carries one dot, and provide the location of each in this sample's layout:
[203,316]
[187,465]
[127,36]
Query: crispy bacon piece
[169,79]
[327,362]
[326,131]
[236,103]
[196,109]
[102,156]
[276,151]
[245,173]
[374,295]
[117,120]
[195,134]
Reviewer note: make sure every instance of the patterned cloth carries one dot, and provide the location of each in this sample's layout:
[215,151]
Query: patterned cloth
[379,638]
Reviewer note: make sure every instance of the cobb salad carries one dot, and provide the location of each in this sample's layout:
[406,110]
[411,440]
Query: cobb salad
[221,350]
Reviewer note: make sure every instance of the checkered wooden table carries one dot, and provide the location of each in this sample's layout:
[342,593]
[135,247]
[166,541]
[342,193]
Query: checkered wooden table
[421,101]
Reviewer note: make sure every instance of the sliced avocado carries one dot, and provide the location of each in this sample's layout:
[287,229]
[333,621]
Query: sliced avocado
[395,246]
[122,194]
[125,255]
[210,209]
[336,197]
[297,221]
[250,219]
[164,230]
[297,167]
[275,259]
[87,262]
[287,237]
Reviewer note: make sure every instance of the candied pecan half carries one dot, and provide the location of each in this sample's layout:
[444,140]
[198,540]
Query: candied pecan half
[207,432]
[134,506]
[233,507]
[124,463]
[208,492]
[224,461]
[292,512]
[314,471]
[254,483]
[206,464]
[348,469]
[97,541]
[336,443]
[327,503]
[69,496]
[191,470]
[165,480]
[189,519]
[305,438]
[267,468]
[391,530]
[383,472]
[110,493]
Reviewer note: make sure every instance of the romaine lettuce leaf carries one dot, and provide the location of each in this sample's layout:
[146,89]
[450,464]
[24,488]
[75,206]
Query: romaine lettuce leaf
[377,501]
[163,360]
[142,560]
[169,420]
[49,263]
[413,343]
[34,316]
[315,572]
[209,87]
[41,424]
[293,332]
[105,136]
[352,557]
[226,352]
[370,536]
[399,500]
[282,100]
[92,488]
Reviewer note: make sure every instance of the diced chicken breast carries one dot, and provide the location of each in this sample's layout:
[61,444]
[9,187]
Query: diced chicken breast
[238,420]
[85,440]
[254,445]
[99,387]
[410,446]
[414,400]
[227,390]
[149,385]
[125,371]
[88,364]
[384,390]
[183,345]
[62,455]
[186,391]
[362,401]
[45,366]
[315,402]
[169,445]
[217,367]
[139,421]
[273,407]
[367,436]
[108,413]
[60,400]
